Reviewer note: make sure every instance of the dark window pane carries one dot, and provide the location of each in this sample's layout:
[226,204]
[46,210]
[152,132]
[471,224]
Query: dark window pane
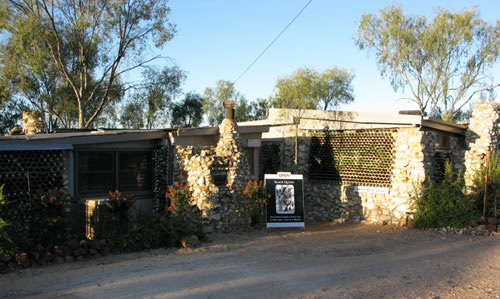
[134,171]
[96,172]
[95,161]
[95,183]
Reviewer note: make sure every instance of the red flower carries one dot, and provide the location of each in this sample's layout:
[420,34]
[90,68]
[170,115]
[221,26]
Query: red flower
[51,199]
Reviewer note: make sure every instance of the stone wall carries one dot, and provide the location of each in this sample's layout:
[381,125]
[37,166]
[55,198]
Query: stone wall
[330,201]
[218,207]
[414,152]
[481,137]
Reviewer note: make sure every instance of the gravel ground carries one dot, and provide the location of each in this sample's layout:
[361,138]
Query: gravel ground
[325,261]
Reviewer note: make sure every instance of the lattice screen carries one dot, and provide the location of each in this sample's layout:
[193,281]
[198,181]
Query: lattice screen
[363,157]
[160,170]
[440,159]
[22,171]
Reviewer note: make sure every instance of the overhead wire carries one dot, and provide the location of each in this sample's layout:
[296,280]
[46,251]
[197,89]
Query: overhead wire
[272,42]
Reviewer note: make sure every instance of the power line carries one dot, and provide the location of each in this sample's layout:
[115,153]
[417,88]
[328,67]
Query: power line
[274,40]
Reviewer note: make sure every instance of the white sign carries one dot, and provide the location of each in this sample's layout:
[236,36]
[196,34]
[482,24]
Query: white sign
[254,142]
[367,189]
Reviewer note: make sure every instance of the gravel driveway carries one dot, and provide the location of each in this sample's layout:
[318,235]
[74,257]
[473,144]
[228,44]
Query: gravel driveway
[326,261]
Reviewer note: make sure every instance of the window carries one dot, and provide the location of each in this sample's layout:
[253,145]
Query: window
[103,171]
[441,141]
[96,172]
[134,171]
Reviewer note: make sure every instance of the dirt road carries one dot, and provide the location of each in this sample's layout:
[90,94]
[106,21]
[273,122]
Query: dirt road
[326,261]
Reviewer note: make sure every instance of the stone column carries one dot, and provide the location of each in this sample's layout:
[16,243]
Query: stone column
[481,137]
[32,122]
[230,150]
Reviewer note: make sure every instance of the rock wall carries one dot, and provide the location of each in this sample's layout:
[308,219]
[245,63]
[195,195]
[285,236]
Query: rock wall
[218,207]
[414,152]
[481,137]
[330,201]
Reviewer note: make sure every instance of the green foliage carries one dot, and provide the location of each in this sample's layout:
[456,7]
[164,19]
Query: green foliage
[114,214]
[180,203]
[49,221]
[131,116]
[309,89]
[149,106]
[444,204]
[493,186]
[41,220]
[179,197]
[67,57]
[10,115]
[257,200]
[213,100]
[260,109]
[189,112]
[7,241]
[150,231]
[443,61]
[213,104]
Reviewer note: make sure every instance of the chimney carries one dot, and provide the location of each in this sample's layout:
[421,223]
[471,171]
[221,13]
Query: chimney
[32,122]
[229,108]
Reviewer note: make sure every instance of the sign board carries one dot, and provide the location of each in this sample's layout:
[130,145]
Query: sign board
[367,189]
[254,142]
[286,205]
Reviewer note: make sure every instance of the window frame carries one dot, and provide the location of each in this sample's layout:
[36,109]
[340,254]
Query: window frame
[116,171]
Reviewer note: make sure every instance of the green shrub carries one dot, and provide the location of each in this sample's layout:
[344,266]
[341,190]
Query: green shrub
[151,230]
[49,222]
[444,204]
[8,244]
[114,214]
[40,220]
[493,186]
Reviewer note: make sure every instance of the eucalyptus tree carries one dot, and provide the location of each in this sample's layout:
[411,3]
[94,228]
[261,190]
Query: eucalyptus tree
[444,62]
[307,88]
[152,98]
[188,112]
[82,46]
[213,102]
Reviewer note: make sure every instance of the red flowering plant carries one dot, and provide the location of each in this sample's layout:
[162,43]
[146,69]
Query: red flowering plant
[179,197]
[48,214]
[257,199]
[118,207]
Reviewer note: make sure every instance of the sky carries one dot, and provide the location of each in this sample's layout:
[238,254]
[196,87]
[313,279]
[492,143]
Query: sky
[218,39]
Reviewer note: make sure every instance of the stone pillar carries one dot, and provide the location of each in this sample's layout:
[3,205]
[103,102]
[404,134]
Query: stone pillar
[481,137]
[32,122]
[230,150]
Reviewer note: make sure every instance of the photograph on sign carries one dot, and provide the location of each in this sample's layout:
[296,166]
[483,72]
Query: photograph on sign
[285,199]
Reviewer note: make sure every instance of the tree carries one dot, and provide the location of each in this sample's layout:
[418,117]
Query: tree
[131,116]
[189,112]
[260,109]
[86,45]
[444,62]
[308,89]
[213,102]
[156,94]
[10,115]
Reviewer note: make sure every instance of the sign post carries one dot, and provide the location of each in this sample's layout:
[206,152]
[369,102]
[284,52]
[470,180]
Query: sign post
[286,205]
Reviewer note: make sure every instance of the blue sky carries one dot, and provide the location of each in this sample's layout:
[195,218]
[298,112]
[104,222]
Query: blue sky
[218,39]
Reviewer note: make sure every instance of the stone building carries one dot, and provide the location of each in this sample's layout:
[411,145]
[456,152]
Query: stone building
[356,166]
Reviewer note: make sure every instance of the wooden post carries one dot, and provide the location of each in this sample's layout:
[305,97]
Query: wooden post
[485,199]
